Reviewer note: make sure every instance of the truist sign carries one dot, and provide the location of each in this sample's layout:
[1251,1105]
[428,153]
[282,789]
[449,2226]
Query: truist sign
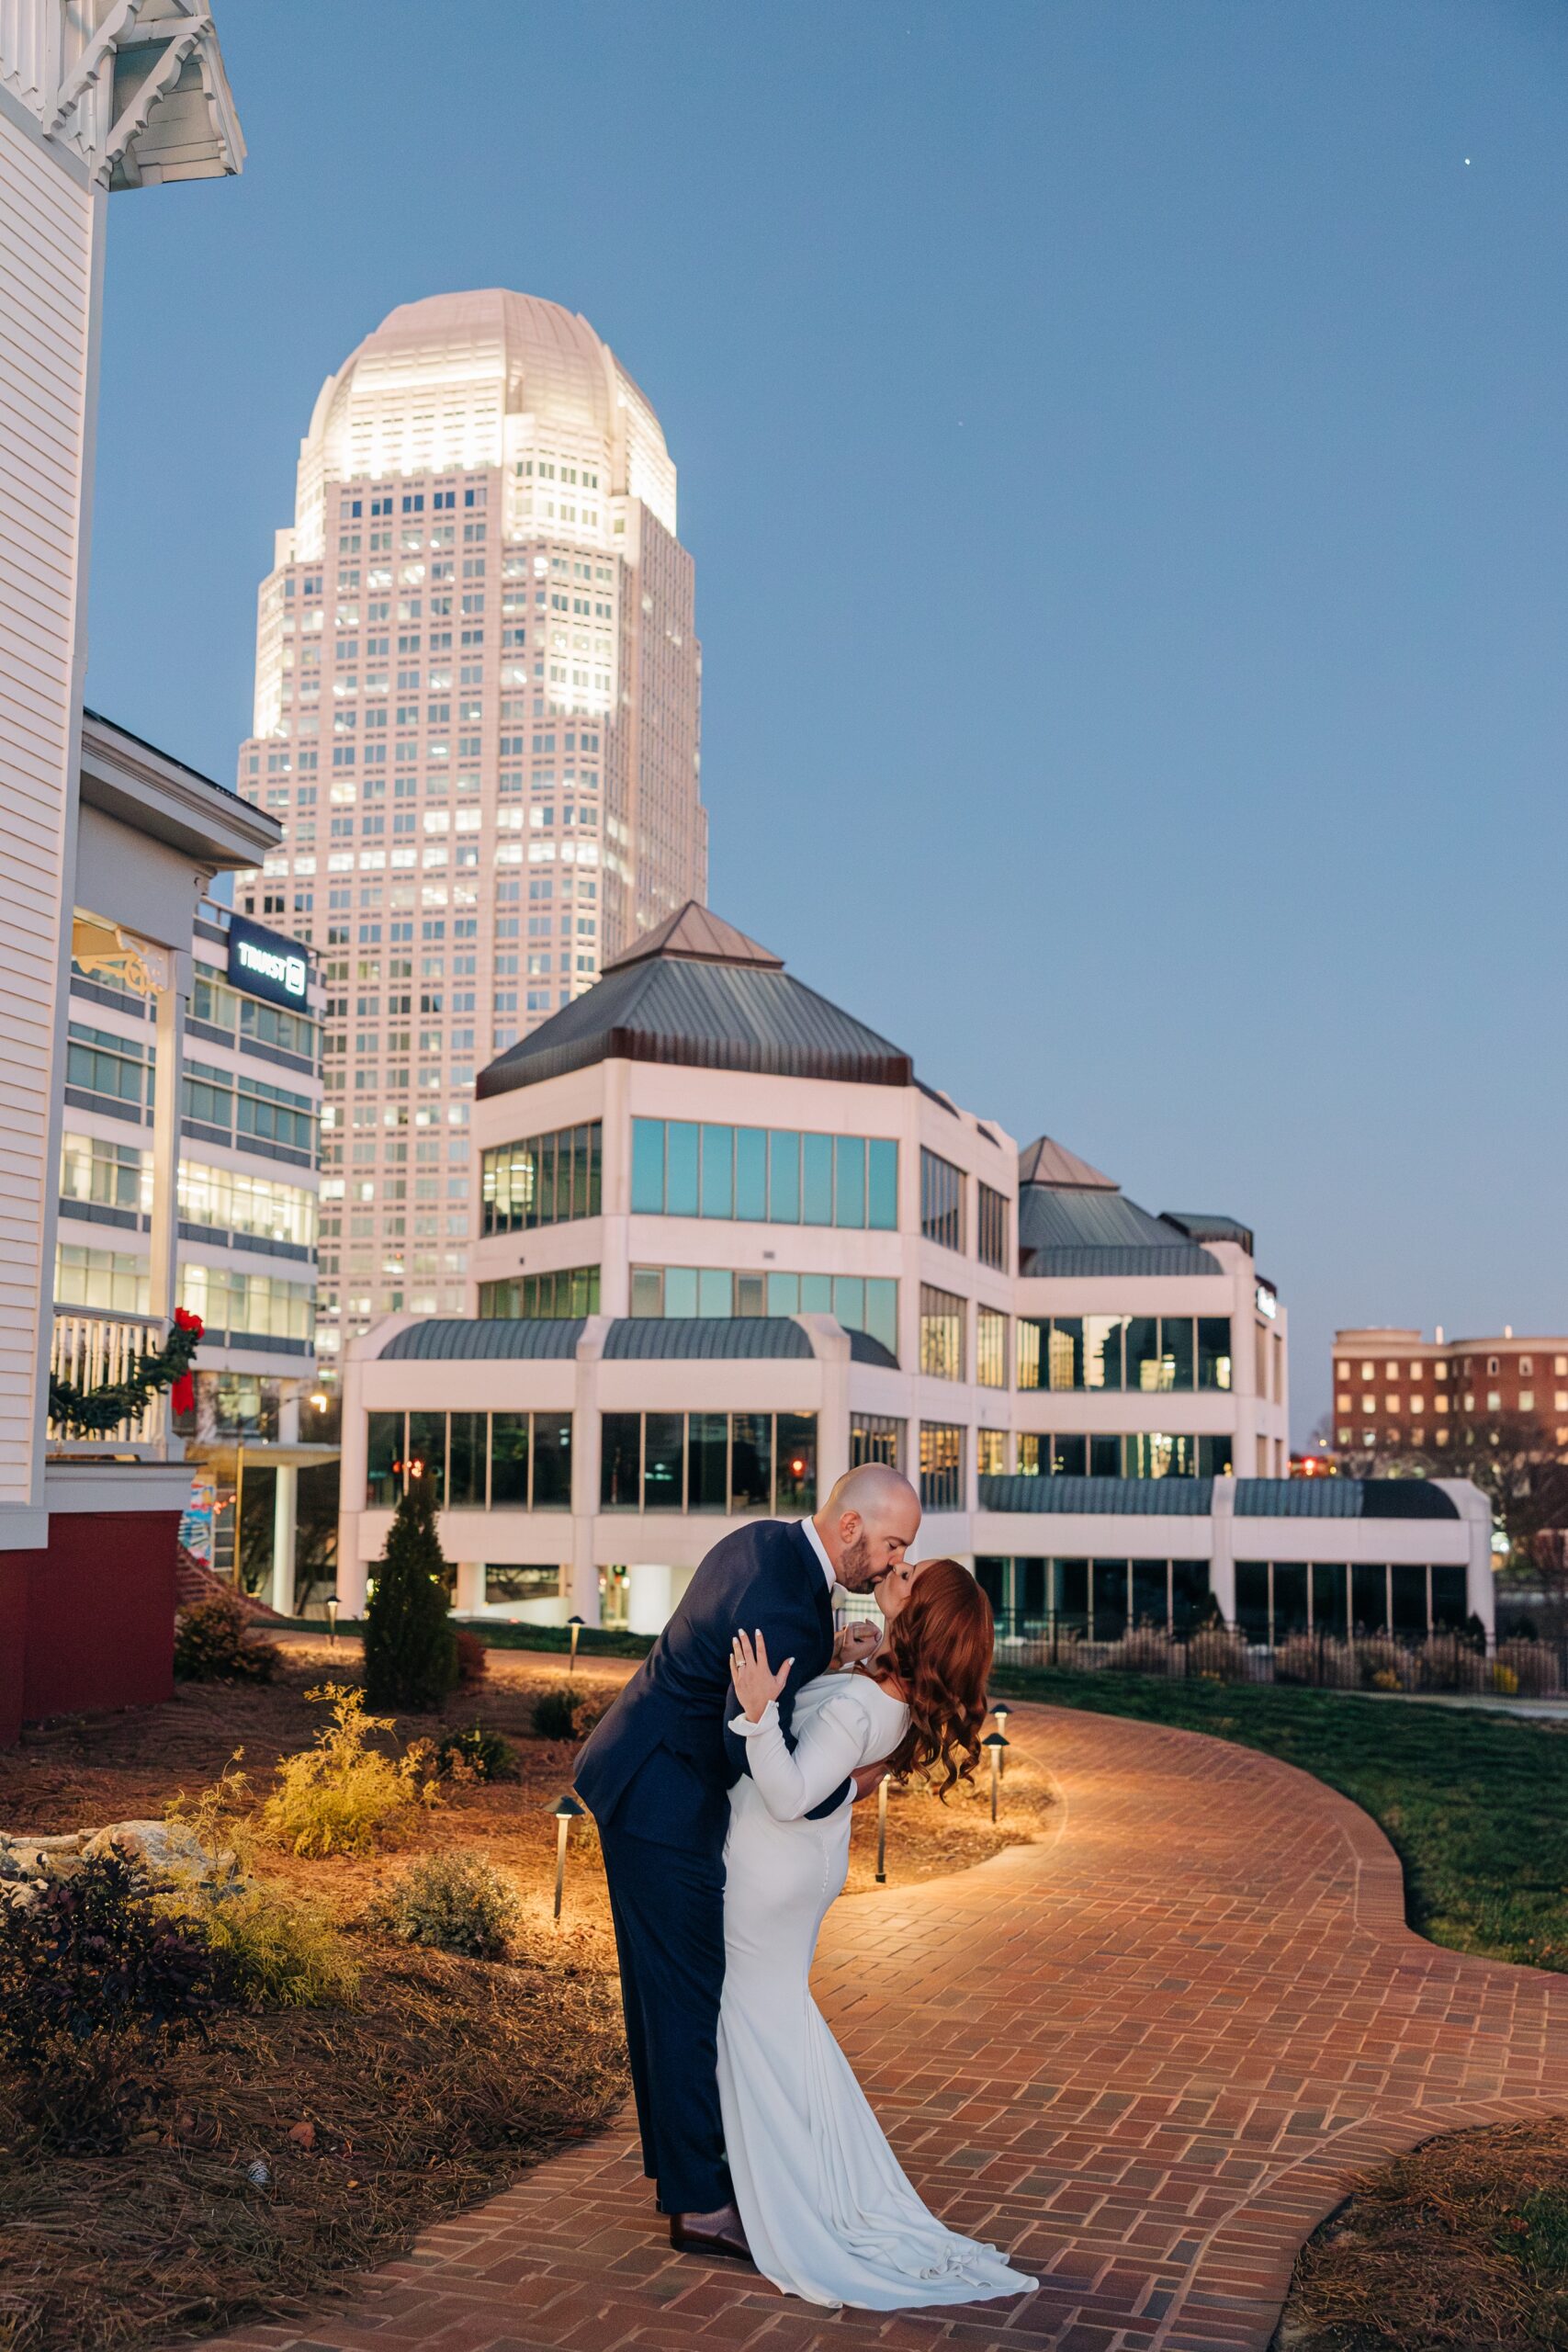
[264,963]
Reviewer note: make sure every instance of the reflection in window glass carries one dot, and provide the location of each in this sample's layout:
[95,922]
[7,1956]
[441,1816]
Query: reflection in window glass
[552,1461]
[750,1461]
[784,1176]
[817,1180]
[620,1461]
[796,1464]
[718,1171]
[1214,1352]
[848,1180]
[882,1184]
[941,1466]
[427,1450]
[1142,1345]
[648,1167]
[509,1461]
[663,1448]
[942,1334]
[383,1470]
[707,1461]
[466,1461]
[680,1168]
[751,1173]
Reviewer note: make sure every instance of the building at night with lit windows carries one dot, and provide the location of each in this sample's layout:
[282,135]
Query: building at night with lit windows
[476,718]
[728,1244]
[1396,1390]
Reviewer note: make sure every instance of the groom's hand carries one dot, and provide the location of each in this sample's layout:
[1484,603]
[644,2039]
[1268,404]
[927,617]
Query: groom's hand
[868,1780]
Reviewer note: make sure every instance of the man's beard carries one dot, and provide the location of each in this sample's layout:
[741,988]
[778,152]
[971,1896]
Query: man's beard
[854,1569]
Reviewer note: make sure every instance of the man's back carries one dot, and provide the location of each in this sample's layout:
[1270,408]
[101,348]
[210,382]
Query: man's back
[656,1763]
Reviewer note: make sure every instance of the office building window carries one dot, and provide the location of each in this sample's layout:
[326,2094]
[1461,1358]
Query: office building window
[569,1291]
[990,1348]
[876,1437]
[942,1201]
[763,1175]
[1150,1354]
[941,1333]
[991,1453]
[1277,1599]
[861,1303]
[547,1180]
[503,1585]
[1098,1600]
[991,1216]
[477,1460]
[941,1466]
[729,1463]
[1141,1453]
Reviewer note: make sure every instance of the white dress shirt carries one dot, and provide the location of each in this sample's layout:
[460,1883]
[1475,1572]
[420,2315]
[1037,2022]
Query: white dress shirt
[809,1527]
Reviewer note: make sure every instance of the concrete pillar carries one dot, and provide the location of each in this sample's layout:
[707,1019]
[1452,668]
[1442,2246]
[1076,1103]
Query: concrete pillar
[1222,1555]
[470,1593]
[284,1527]
[651,1598]
[581,1582]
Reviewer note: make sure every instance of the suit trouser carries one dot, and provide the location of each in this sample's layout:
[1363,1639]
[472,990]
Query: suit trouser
[667,1905]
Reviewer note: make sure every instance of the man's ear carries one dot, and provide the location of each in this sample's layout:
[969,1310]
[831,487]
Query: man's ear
[849,1529]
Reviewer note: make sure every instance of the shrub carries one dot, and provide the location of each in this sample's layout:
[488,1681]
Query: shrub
[1385,1664]
[411,1645]
[218,1819]
[214,1642]
[1450,1662]
[1143,1649]
[282,1952]
[342,1796]
[1533,1666]
[473,1660]
[95,1982]
[1504,1681]
[480,1752]
[1216,1654]
[1319,1662]
[568,1713]
[452,1902]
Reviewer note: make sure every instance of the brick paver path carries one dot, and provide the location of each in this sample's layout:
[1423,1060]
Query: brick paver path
[1144,2058]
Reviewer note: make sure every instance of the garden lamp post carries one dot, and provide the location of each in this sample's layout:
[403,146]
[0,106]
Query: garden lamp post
[1001,1712]
[576,1625]
[332,1619]
[567,1811]
[998,1745]
[881,1831]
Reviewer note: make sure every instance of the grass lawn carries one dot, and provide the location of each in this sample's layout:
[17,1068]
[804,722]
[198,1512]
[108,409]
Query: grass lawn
[1475,1804]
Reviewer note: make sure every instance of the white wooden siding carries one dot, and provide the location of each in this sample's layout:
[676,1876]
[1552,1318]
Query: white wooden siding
[47,226]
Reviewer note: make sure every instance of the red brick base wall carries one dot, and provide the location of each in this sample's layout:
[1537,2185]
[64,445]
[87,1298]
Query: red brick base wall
[89,1624]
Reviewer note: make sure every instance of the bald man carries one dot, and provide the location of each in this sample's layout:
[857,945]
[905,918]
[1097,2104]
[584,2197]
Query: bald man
[656,1775]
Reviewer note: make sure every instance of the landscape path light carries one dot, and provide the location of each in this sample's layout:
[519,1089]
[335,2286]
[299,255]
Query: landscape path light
[576,1625]
[881,1831]
[567,1811]
[332,1619]
[1001,1712]
[998,1745]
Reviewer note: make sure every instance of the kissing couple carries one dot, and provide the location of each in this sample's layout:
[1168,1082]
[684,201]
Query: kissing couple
[721,1782]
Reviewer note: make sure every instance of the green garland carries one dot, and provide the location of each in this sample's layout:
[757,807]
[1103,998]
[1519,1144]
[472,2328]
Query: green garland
[92,1412]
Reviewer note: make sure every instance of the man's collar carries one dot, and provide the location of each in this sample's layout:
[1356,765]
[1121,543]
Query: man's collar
[808,1529]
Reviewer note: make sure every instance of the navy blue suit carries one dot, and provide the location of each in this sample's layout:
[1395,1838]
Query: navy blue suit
[656,1775]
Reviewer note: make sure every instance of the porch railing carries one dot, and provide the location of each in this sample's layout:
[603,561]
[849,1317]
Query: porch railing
[92,1347]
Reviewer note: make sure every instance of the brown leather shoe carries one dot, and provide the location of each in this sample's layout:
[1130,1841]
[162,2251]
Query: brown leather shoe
[730,2243]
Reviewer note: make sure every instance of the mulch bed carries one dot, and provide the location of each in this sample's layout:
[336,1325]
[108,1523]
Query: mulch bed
[447,2077]
[1464,2243]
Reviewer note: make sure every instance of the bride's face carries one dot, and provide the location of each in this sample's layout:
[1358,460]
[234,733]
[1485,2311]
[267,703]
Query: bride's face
[892,1589]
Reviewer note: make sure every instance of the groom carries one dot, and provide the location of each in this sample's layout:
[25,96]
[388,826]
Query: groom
[656,1776]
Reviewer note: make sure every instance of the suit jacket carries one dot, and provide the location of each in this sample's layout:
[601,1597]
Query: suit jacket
[661,1763]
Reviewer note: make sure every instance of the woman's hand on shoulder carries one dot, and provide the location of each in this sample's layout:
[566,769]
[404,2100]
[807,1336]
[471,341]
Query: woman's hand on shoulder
[756,1682]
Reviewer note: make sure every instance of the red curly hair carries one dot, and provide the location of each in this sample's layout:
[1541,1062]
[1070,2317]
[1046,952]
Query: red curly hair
[939,1645]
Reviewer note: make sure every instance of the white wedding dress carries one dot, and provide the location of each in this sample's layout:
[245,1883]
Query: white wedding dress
[829,2213]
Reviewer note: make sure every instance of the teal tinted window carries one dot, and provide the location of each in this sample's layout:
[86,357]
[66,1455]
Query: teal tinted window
[816,1179]
[751,1175]
[552,1461]
[784,1176]
[509,1461]
[784,1293]
[849,1180]
[680,1168]
[680,1290]
[664,1461]
[882,1184]
[718,1171]
[707,1461]
[715,1291]
[848,1301]
[648,1167]
[816,1293]
[384,1454]
[881,1310]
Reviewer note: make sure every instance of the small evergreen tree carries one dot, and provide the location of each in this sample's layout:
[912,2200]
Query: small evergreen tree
[410,1644]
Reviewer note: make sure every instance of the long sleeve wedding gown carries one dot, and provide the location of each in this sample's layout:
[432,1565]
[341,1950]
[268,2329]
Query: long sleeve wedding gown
[829,2213]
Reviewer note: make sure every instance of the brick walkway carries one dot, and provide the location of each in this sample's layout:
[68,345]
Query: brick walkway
[1143,2058]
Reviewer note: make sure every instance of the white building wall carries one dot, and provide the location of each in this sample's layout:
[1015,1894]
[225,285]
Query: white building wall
[50,239]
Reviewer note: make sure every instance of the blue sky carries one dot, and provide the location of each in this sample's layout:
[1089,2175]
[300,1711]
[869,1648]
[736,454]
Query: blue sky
[1122,447]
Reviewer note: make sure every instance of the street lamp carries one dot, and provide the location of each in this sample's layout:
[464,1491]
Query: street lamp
[881,1831]
[998,1745]
[1001,1712]
[576,1625]
[567,1811]
[332,1619]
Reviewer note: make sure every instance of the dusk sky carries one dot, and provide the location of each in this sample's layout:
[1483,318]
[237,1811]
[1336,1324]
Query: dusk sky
[1123,452]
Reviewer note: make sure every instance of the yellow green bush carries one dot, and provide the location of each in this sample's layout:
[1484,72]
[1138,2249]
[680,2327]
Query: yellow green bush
[342,1796]
[284,1951]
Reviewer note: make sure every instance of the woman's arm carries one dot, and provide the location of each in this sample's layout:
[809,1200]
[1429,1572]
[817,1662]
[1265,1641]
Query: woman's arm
[793,1776]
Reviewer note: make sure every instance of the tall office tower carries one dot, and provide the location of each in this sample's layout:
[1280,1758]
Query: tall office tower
[477,714]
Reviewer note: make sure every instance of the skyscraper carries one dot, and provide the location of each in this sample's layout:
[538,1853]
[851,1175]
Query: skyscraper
[476,715]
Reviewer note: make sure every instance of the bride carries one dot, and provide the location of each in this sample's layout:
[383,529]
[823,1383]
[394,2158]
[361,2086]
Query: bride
[829,2213]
